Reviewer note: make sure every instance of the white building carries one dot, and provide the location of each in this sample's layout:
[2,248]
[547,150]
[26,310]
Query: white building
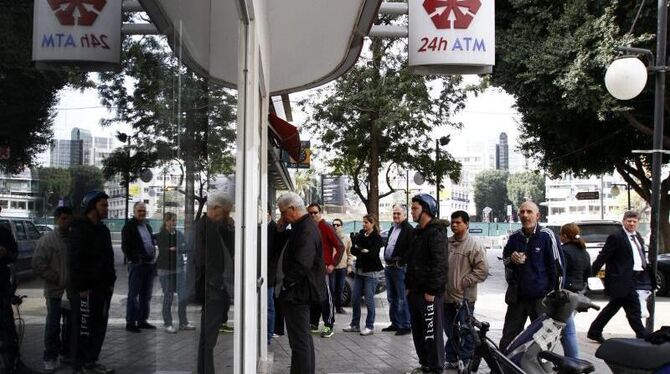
[81,149]
[19,194]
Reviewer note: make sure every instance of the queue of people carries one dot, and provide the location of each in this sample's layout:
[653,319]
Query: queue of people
[431,278]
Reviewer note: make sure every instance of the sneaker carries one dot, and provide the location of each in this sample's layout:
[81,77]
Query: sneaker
[146,325]
[351,329]
[131,327]
[187,327]
[595,337]
[327,332]
[451,365]
[171,329]
[97,369]
[313,329]
[50,366]
[275,335]
[390,328]
[226,328]
[402,332]
[366,331]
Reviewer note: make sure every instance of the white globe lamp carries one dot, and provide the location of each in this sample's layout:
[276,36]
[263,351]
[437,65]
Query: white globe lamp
[626,77]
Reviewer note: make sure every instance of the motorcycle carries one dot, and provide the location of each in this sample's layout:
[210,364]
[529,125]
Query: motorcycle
[635,356]
[531,352]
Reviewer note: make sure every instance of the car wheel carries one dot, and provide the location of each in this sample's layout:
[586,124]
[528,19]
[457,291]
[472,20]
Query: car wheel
[346,292]
[661,283]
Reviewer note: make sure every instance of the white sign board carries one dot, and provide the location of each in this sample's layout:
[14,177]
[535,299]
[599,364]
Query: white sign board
[81,33]
[451,36]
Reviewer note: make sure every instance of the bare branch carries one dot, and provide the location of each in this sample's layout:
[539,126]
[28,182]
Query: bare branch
[633,122]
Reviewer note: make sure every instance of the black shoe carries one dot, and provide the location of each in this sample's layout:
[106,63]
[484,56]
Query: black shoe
[146,325]
[596,337]
[402,332]
[390,328]
[132,327]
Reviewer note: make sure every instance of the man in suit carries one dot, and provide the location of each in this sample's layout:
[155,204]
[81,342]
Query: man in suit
[300,279]
[400,236]
[627,271]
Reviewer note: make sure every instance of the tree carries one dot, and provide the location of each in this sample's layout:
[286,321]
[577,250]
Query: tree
[552,57]
[491,191]
[176,115]
[83,179]
[525,186]
[379,114]
[305,183]
[55,184]
[27,95]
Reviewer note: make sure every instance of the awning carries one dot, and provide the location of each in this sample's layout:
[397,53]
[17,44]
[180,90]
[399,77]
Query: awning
[286,134]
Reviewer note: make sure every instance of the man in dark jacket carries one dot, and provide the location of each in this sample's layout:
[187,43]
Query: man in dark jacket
[300,279]
[399,238]
[8,336]
[92,277]
[533,267]
[627,271]
[139,246]
[425,281]
[213,262]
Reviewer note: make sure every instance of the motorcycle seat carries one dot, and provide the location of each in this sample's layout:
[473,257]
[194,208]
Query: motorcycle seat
[566,364]
[634,353]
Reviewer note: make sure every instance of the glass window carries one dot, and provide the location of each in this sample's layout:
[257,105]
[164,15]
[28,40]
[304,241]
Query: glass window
[20,230]
[31,230]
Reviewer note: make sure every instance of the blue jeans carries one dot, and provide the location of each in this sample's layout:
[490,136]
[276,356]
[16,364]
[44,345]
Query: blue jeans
[172,283]
[460,341]
[56,340]
[271,312]
[140,286]
[368,285]
[395,294]
[569,339]
[337,283]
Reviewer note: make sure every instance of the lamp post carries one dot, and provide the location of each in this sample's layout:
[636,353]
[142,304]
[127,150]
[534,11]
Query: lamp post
[438,142]
[625,79]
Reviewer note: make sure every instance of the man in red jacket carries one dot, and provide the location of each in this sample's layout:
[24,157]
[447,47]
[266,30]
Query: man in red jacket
[332,253]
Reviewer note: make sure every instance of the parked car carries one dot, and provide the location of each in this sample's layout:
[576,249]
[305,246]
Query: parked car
[26,235]
[349,285]
[663,274]
[42,228]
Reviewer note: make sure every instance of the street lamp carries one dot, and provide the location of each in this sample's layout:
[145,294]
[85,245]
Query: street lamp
[614,191]
[438,142]
[625,80]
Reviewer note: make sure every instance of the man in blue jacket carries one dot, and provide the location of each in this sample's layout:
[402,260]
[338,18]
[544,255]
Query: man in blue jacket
[533,267]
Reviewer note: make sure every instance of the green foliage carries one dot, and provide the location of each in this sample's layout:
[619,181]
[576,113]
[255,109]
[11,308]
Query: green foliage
[491,191]
[55,183]
[379,114]
[524,186]
[27,95]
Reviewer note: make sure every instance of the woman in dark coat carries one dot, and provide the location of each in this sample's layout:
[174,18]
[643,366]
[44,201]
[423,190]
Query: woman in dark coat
[172,259]
[366,246]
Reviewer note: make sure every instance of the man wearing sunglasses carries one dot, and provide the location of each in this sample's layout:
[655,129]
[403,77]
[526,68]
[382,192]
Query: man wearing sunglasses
[332,254]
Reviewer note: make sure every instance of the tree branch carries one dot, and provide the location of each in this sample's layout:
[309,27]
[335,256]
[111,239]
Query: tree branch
[634,123]
[357,187]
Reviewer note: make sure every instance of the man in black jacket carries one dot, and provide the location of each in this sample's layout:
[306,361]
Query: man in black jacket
[213,266]
[8,338]
[300,279]
[425,281]
[139,246]
[92,276]
[399,238]
[627,272]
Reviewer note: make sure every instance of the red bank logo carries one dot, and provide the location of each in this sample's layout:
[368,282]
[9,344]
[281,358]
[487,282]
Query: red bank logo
[84,11]
[452,14]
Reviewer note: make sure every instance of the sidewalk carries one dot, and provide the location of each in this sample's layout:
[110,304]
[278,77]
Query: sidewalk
[159,352]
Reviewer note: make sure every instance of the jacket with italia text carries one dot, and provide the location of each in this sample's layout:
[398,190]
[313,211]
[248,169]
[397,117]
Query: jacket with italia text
[539,274]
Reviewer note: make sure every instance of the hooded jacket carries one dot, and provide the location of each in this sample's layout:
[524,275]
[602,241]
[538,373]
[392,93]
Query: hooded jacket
[427,259]
[91,256]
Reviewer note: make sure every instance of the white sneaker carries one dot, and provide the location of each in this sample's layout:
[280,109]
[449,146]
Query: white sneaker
[171,329]
[366,331]
[51,366]
[187,326]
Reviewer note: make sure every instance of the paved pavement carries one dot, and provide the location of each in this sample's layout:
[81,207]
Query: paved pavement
[160,352]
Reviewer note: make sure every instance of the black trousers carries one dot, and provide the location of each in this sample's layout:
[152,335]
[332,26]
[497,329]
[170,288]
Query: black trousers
[427,330]
[92,312]
[9,340]
[279,317]
[214,313]
[515,319]
[631,306]
[325,310]
[299,338]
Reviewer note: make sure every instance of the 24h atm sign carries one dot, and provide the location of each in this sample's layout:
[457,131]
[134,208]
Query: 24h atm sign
[85,34]
[451,36]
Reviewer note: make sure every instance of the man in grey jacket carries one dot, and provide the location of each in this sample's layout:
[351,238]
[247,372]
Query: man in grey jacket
[50,262]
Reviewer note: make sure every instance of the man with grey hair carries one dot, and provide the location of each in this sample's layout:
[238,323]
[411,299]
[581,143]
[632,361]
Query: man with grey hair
[139,247]
[533,267]
[214,239]
[300,279]
[627,272]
